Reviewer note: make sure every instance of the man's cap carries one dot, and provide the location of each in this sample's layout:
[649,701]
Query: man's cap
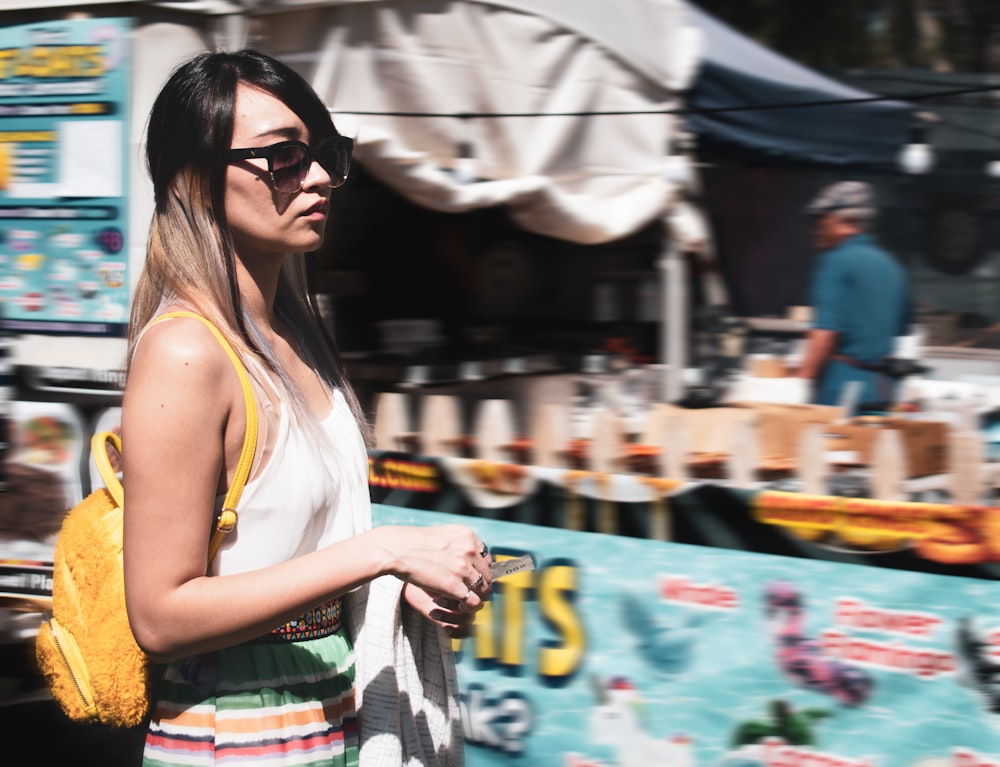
[843,194]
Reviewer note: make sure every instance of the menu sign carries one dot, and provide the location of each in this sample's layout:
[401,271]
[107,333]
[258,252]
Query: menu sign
[64,89]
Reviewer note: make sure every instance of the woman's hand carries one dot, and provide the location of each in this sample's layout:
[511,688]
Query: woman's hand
[447,613]
[448,563]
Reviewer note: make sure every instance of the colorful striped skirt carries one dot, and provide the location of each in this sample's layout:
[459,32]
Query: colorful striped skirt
[278,701]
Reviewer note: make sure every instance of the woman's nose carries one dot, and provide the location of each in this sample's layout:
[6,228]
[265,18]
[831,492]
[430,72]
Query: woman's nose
[316,176]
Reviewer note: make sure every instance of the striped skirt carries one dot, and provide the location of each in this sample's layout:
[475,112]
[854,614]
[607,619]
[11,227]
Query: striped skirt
[262,703]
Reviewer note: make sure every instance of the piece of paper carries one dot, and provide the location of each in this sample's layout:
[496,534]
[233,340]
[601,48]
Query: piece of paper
[505,567]
[90,158]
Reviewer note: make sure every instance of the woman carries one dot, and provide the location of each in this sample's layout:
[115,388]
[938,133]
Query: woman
[243,156]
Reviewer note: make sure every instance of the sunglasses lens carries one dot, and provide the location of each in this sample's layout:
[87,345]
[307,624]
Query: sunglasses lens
[289,166]
[335,158]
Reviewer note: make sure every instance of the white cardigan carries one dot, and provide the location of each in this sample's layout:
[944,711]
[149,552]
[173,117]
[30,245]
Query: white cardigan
[405,682]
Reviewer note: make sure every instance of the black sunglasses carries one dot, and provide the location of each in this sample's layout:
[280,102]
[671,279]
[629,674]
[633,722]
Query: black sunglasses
[288,161]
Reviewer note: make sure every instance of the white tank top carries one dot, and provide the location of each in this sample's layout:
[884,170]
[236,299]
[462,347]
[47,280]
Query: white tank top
[304,498]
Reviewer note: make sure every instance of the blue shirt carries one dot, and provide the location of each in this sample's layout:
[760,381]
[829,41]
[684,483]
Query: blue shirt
[859,291]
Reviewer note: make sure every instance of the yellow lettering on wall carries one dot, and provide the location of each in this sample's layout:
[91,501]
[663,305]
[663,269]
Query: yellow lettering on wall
[7,56]
[515,588]
[87,109]
[560,658]
[59,61]
[484,630]
[10,137]
[27,63]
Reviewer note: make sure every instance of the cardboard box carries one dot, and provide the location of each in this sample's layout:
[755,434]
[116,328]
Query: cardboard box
[925,443]
[712,434]
[780,426]
[767,366]
[710,429]
[940,328]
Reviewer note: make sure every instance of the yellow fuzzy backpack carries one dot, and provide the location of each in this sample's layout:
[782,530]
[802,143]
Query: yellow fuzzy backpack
[86,650]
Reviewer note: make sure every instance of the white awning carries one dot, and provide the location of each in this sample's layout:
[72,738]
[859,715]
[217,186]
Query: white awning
[560,170]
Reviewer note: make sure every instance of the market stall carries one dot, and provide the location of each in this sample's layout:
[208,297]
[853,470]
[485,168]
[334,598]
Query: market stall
[442,100]
[685,608]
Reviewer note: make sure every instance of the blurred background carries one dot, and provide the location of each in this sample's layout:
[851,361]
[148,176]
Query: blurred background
[576,203]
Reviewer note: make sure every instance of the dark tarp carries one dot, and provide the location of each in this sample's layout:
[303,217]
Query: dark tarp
[738,72]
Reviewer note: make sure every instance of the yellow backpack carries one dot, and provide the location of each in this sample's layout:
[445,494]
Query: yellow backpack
[85,649]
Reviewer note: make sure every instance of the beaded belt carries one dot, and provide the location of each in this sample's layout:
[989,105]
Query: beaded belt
[319,622]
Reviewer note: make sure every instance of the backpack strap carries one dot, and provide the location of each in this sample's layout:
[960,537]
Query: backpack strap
[227,516]
[99,451]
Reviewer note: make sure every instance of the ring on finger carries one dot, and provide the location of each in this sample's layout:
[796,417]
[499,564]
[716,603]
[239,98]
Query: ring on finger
[484,551]
[467,595]
[479,583]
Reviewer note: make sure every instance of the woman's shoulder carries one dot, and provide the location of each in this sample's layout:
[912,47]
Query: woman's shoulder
[179,378]
[181,343]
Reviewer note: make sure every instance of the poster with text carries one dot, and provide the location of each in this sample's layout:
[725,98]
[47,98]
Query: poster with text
[624,652]
[64,136]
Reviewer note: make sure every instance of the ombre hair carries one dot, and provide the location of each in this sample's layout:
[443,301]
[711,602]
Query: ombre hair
[190,255]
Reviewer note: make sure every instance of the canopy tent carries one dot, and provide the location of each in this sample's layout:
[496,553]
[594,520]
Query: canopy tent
[570,109]
[561,170]
[852,130]
[398,75]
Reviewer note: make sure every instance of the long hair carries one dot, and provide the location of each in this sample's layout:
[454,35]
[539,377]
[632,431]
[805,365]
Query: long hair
[190,255]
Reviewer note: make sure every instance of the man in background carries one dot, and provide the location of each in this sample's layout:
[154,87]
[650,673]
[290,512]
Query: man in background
[859,298]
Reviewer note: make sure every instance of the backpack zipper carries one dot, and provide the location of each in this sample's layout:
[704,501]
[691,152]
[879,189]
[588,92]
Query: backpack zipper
[87,704]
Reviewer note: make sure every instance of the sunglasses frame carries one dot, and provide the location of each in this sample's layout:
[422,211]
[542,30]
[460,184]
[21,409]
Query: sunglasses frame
[268,152]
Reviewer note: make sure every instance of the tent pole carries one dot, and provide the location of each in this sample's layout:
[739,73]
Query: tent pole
[673,317]
[234,32]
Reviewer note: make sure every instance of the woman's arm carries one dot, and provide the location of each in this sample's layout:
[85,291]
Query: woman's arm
[182,428]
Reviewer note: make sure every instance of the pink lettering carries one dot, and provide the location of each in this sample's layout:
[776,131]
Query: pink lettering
[966,757]
[678,588]
[575,760]
[994,641]
[857,614]
[921,663]
[776,754]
